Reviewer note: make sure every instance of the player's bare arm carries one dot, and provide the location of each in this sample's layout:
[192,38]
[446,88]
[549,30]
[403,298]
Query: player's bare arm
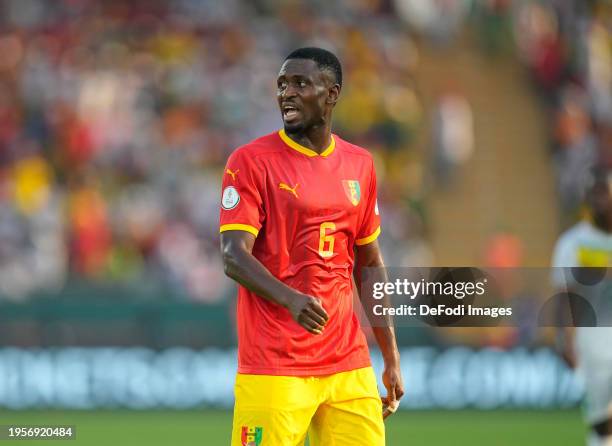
[370,256]
[240,265]
[565,337]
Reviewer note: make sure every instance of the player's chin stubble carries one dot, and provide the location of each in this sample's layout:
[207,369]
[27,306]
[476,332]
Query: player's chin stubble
[297,127]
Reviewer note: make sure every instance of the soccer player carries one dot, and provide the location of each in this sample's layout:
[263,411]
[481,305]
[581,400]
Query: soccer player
[589,244]
[298,217]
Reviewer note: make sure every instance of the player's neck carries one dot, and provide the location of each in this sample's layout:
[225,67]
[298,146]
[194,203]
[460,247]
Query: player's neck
[316,138]
[602,223]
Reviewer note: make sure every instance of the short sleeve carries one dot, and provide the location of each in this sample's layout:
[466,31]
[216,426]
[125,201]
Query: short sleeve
[564,257]
[369,229]
[242,207]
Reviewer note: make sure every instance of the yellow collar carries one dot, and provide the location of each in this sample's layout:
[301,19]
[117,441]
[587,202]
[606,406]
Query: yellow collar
[305,150]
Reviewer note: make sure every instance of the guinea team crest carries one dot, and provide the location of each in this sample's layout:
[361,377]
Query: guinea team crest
[352,191]
[251,436]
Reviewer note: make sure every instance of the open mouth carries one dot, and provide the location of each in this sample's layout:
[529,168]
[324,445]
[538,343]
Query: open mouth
[290,112]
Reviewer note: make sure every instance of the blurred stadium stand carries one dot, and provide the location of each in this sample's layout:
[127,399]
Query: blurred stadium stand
[116,119]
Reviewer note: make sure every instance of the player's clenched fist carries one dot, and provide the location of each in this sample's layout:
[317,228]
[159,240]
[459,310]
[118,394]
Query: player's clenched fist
[392,379]
[308,312]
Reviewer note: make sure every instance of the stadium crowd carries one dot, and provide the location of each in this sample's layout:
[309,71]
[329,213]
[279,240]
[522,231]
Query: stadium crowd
[567,47]
[116,119]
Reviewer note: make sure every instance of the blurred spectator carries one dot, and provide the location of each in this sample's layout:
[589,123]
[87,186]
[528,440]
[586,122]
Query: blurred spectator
[453,135]
[493,21]
[89,227]
[504,250]
[440,20]
[599,69]
[577,148]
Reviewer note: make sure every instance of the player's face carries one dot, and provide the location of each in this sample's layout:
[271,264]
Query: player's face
[303,92]
[600,200]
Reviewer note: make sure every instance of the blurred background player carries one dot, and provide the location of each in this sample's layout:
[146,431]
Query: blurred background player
[589,244]
[298,211]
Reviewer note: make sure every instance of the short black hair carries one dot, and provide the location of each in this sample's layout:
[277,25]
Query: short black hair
[326,60]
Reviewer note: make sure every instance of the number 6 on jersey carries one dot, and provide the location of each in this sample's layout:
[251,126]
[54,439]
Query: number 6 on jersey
[325,238]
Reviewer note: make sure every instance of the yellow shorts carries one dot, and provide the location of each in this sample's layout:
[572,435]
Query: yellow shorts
[336,410]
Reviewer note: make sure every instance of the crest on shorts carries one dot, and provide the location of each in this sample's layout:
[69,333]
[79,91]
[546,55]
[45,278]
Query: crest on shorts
[251,436]
[352,191]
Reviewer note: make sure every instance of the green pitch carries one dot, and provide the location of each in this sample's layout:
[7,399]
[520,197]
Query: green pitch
[212,428]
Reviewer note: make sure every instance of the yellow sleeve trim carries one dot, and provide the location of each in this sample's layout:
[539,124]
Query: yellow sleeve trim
[239,227]
[369,239]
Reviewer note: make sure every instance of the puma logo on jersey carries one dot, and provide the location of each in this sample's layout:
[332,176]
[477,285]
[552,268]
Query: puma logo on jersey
[283,186]
[232,174]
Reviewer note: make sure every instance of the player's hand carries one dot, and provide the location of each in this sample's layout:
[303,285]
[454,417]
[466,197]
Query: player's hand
[308,312]
[569,356]
[392,379]
[565,346]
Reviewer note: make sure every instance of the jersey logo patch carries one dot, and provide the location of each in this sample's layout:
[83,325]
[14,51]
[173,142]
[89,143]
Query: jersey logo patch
[251,436]
[232,174]
[283,186]
[230,198]
[352,191]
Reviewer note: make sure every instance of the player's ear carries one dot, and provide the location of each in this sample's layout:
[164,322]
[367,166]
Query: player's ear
[333,94]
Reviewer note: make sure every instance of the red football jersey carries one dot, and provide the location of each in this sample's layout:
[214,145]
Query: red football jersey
[307,211]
